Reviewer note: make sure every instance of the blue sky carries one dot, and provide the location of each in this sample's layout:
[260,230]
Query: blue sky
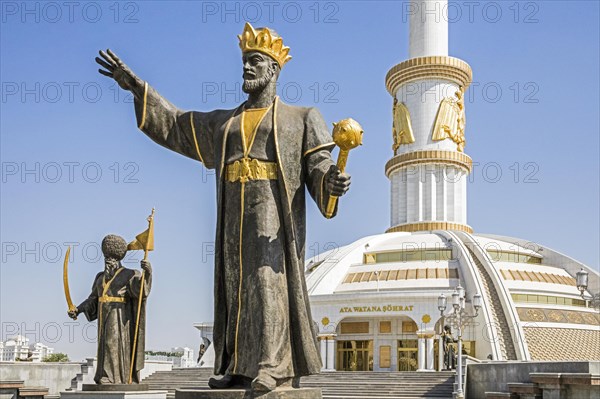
[75,168]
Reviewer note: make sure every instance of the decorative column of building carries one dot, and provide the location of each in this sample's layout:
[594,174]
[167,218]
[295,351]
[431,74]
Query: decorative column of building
[331,342]
[430,353]
[327,346]
[323,346]
[421,352]
[426,350]
[429,169]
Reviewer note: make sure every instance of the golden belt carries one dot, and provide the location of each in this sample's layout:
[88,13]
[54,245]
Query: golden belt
[107,299]
[250,169]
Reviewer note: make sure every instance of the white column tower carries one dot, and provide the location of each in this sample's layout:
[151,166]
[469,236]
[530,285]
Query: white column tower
[428,174]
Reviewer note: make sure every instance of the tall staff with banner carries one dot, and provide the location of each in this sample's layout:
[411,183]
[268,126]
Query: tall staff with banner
[143,241]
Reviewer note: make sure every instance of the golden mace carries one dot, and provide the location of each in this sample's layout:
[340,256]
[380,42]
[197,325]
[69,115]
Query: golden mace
[347,134]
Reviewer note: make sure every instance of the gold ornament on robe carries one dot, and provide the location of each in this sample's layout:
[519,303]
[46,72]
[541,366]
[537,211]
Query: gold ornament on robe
[451,120]
[265,41]
[402,126]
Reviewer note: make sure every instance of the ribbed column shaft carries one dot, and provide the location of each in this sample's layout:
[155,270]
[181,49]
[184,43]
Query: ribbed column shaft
[428,25]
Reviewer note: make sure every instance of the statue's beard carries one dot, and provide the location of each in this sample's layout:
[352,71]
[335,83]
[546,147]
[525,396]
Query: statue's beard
[258,84]
[110,265]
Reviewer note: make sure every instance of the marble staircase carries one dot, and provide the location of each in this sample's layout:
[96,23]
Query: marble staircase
[334,385]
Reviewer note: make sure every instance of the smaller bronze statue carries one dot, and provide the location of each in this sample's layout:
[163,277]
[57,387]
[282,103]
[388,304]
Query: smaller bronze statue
[118,302]
[114,303]
[449,353]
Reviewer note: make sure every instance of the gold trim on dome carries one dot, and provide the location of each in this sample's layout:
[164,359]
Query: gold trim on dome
[431,67]
[563,316]
[429,226]
[429,156]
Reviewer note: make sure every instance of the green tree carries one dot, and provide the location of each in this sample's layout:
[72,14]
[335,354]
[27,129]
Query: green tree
[56,357]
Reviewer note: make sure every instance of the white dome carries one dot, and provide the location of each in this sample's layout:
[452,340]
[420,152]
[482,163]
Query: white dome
[529,292]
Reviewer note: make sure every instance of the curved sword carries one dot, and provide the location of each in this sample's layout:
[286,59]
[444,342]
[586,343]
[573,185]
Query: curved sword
[66,280]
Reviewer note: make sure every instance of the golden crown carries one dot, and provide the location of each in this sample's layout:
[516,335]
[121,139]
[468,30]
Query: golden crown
[266,41]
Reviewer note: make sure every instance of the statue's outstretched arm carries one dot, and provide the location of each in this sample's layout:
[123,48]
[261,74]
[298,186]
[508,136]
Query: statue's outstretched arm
[188,133]
[116,69]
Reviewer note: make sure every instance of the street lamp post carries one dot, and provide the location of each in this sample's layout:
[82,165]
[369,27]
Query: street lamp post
[460,318]
[582,286]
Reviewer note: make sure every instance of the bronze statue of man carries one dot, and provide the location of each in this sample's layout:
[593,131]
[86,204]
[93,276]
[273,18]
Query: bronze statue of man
[264,153]
[449,354]
[114,302]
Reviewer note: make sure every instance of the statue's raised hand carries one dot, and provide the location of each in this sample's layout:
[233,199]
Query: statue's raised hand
[73,313]
[116,69]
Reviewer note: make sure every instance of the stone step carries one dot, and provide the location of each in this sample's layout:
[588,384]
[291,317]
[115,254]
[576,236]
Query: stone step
[361,396]
[338,385]
[316,378]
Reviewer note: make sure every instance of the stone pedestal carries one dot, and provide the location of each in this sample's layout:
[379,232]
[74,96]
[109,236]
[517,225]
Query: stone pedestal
[525,390]
[567,385]
[281,393]
[10,389]
[33,392]
[550,384]
[115,387]
[114,391]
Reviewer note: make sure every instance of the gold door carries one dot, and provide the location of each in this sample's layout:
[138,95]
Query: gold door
[407,355]
[355,355]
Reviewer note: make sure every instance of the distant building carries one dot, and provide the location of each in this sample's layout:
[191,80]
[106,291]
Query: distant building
[40,351]
[186,359]
[207,358]
[14,348]
[180,357]
[17,348]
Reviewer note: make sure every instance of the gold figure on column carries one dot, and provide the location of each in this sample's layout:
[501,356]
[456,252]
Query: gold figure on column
[402,127]
[451,120]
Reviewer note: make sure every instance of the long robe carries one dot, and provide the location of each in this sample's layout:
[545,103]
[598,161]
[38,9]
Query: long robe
[262,317]
[116,325]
